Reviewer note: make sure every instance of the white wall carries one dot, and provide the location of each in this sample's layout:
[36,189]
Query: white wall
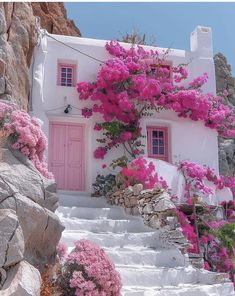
[189,140]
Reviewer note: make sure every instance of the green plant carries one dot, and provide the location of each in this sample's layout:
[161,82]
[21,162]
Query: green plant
[103,184]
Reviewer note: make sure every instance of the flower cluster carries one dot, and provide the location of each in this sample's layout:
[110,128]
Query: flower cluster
[25,135]
[139,171]
[195,176]
[93,274]
[134,82]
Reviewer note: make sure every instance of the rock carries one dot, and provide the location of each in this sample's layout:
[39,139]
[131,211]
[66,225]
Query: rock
[155,222]
[163,203]
[22,280]
[41,228]
[2,68]
[22,177]
[54,19]
[29,195]
[148,209]
[137,188]
[128,190]
[12,239]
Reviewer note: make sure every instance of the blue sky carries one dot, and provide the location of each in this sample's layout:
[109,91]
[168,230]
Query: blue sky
[169,24]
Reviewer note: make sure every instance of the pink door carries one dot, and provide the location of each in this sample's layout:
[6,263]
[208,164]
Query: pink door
[66,155]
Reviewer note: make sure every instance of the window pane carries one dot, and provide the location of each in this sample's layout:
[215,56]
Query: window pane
[155,134]
[69,84]
[63,79]
[155,150]
[69,80]
[161,142]
[161,150]
[63,74]
[69,70]
[161,134]
[69,75]
[63,84]
[63,70]
[155,142]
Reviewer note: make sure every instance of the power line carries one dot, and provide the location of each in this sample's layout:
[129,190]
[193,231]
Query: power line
[75,49]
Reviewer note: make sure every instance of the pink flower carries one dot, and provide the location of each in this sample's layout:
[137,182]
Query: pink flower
[100,152]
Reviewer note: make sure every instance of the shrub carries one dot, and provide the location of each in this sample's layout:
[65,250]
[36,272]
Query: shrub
[104,184]
[139,171]
[89,272]
[25,135]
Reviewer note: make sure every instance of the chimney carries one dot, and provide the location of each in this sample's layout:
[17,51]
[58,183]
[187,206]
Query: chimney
[201,42]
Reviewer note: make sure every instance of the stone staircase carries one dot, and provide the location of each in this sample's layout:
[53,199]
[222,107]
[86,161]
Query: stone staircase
[147,266]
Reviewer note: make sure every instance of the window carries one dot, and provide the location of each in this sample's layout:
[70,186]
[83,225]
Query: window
[66,75]
[158,143]
[162,68]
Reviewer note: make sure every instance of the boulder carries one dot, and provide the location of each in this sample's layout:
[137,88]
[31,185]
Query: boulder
[22,280]
[33,198]
[12,240]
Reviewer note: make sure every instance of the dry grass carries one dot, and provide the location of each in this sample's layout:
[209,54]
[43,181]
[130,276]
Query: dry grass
[48,287]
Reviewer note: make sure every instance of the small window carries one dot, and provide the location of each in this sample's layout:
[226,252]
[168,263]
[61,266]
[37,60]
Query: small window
[158,143]
[163,69]
[66,75]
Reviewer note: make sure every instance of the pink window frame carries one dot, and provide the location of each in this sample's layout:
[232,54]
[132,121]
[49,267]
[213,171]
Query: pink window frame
[156,63]
[165,130]
[65,65]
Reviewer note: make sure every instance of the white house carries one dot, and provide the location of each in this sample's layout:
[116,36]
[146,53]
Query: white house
[57,68]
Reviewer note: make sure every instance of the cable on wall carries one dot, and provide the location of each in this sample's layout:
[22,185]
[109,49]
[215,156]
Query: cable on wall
[75,49]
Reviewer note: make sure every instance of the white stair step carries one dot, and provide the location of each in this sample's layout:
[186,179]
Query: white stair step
[70,200]
[182,290]
[161,276]
[94,213]
[147,256]
[142,239]
[105,225]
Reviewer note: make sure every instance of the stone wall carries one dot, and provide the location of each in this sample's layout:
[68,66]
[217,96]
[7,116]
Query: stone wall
[157,210]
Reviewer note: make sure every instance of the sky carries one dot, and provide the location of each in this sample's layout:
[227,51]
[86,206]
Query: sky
[165,24]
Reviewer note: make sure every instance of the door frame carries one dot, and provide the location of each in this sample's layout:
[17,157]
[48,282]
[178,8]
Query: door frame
[66,123]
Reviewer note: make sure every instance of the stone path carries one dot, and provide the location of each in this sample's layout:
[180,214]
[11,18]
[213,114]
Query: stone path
[146,265]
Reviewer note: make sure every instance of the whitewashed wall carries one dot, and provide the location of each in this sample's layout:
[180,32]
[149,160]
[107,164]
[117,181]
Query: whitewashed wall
[188,139]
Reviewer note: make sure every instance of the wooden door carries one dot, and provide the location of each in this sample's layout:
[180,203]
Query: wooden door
[66,155]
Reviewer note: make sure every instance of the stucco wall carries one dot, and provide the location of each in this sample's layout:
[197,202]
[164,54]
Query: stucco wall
[188,139]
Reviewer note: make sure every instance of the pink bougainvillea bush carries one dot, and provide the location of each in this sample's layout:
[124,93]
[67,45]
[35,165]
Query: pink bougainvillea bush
[140,171]
[25,135]
[88,271]
[195,176]
[135,82]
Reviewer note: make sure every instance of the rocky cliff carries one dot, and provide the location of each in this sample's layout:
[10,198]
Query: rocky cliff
[54,19]
[18,38]
[225,81]
[29,229]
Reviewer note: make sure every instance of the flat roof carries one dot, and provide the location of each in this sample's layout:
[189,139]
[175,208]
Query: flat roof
[101,43]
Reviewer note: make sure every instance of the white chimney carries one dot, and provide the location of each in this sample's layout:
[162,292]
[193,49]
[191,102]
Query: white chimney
[201,41]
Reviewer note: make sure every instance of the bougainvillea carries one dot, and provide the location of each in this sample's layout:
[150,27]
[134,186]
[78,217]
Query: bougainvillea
[88,271]
[134,83]
[25,134]
[195,177]
[140,171]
